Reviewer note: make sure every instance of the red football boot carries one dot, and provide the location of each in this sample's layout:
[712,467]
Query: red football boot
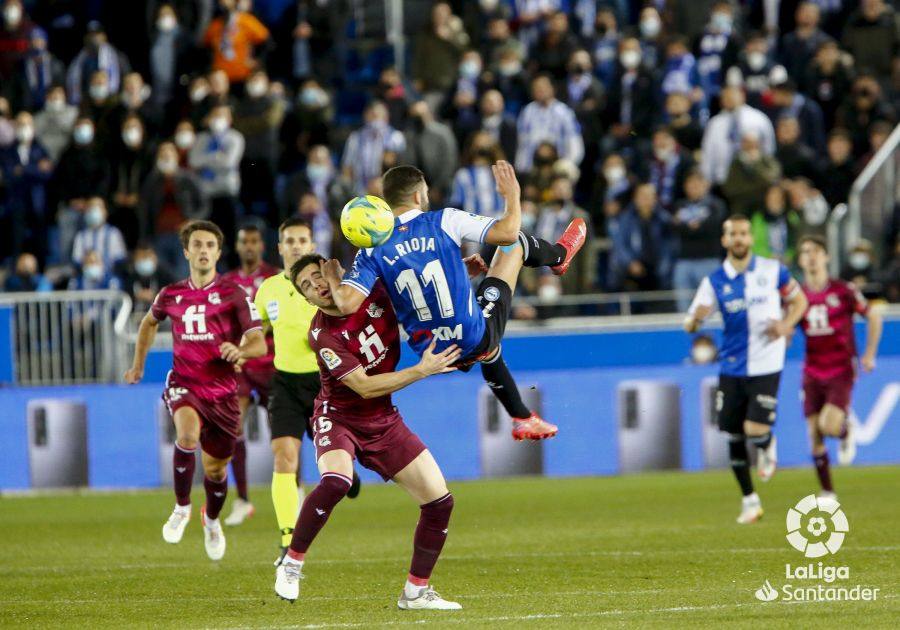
[533,428]
[572,239]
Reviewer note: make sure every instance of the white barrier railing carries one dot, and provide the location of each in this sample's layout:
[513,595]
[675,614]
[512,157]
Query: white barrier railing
[66,337]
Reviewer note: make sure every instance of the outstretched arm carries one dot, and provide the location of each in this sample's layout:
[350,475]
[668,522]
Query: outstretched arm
[347,298]
[505,230]
[384,384]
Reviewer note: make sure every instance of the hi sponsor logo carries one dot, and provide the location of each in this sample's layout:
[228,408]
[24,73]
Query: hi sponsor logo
[817,527]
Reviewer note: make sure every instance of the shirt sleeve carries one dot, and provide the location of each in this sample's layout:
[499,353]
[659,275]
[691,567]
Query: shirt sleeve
[787,286]
[246,311]
[363,274]
[465,226]
[333,354]
[705,296]
[158,308]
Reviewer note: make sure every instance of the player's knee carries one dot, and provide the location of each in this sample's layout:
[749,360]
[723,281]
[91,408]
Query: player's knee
[216,470]
[188,442]
[339,485]
[737,449]
[831,420]
[439,510]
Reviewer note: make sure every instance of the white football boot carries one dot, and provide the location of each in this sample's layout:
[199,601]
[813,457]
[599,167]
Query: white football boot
[751,509]
[847,448]
[287,580]
[426,599]
[173,529]
[213,536]
[240,511]
[767,460]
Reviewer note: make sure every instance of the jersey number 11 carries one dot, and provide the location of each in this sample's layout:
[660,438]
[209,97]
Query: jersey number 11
[432,273]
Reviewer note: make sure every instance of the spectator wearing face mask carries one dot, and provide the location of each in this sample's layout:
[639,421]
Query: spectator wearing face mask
[99,237]
[460,106]
[752,69]
[681,73]
[316,177]
[643,248]
[15,36]
[687,130]
[604,46]
[36,73]
[865,105]
[631,103]
[612,189]
[26,169]
[547,119]
[749,176]
[509,78]
[717,49]
[311,210]
[98,55]
[172,55]
[788,102]
[102,107]
[94,275]
[82,172]
[170,196]
[134,160]
[366,147]
[216,159]
[500,41]
[53,124]
[26,278]
[495,121]
[586,96]
[258,117]
[474,189]
[859,268]
[135,101]
[431,146]
[554,216]
[143,277]
[306,125]
[234,38]
[666,167]
[650,36]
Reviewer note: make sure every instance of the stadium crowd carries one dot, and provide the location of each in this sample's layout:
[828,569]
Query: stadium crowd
[653,120]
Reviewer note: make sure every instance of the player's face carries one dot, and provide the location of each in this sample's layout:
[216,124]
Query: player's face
[203,251]
[296,242]
[737,239]
[812,259]
[313,287]
[249,246]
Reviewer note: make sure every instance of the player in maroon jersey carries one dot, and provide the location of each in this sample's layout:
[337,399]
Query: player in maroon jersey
[355,418]
[830,369]
[215,326]
[255,374]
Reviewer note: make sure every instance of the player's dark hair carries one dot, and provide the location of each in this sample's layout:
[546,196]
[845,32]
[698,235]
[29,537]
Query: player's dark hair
[400,182]
[293,222]
[196,226]
[813,238]
[250,228]
[302,263]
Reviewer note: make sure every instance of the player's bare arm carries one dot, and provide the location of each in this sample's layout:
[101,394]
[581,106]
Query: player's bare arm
[694,320]
[346,298]
[874,326]
[784,327]
[253,345]
[505,230]
[384,384]
[146,335]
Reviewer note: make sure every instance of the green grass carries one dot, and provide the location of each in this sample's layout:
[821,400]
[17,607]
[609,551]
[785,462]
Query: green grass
[657,550]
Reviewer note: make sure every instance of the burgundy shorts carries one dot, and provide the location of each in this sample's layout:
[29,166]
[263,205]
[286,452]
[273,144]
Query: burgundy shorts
[835,391]
[387,449]
[253,380]
[219,419]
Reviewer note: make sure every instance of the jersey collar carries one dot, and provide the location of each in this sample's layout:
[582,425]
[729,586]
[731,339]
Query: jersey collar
[732,273]
[409,215]
[204,287]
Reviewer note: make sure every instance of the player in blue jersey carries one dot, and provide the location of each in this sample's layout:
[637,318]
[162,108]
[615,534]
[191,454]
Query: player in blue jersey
[423,270]
[748,290]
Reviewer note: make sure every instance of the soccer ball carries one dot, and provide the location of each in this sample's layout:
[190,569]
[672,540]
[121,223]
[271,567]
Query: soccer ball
[367,221]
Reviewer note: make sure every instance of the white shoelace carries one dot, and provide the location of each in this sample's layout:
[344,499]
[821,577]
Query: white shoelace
[176,519]
[292,572]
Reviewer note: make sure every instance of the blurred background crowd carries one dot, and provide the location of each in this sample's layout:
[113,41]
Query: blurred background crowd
[651,119]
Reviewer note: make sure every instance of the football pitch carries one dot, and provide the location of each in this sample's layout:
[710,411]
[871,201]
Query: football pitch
[654,550]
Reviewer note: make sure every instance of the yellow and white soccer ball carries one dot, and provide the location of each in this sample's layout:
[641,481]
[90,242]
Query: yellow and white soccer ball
[367,221]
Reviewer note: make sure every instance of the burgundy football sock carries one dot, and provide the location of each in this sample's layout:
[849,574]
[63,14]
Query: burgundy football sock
[823,471]
[216,491]
[316,509]
[184,461]
[431,532]
[239,468]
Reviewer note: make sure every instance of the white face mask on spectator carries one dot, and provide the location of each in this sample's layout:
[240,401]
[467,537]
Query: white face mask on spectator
[94,216]
[198,94]
[93,272]
[756,60]
[131,136]
[614,174]
[166,166]
[219,124]
[184,139]
[859,260]
[650,27]
[317,172]
[166,23]
[56,105]
[13,14]
[510,68]
[84,134]
[257,88]
[549,292]
[145,267]
[99,92]
[630,59]
[25,134]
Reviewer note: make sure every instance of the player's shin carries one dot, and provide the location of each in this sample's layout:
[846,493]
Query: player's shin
[498,377]
[536,252]
[316,509]
[216,491]
[740,462]
[184,461]
[823,470]
[239,467]
[431,533]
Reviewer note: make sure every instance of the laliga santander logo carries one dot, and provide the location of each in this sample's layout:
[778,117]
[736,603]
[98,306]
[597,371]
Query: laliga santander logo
[816,526]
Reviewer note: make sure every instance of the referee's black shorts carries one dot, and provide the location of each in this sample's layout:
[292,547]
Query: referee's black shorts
[291,401]
[753,398]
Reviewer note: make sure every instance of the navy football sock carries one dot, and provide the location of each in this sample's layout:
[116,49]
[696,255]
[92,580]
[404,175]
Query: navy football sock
[740,463]
[496,374]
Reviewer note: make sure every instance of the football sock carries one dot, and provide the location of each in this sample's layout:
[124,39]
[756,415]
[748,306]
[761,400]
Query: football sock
[762,441]
[536,252]
[239,468]
[184,460]
[317,508]
[413,586]
[740,463]
[216,491]
[823,471]
[431,533]
[286,502]
[496,375]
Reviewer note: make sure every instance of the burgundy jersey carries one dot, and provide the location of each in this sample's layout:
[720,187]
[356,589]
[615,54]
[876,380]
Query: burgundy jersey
[369,339]
[250,283]
[828,324]
[202,319]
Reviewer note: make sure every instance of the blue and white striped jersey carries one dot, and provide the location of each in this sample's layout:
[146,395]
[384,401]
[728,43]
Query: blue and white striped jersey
[748,301]
[421,267]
